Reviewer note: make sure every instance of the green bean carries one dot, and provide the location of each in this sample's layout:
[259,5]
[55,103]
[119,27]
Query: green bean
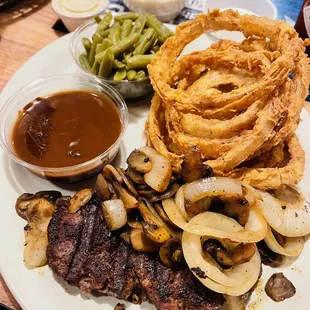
[126,28]
[127,55]
[105,22]
[84,62]
[139,25]
[131,75]
[115,33]
[121,46]
[97,19]
[105,33]
[155,43]
[138,62]
[120,75]
[156,48]
[100,48]
[140,75]
[130,15]
[146,41]
[91,56]
[163,32]
[87,45]
[106,64]
[118,65]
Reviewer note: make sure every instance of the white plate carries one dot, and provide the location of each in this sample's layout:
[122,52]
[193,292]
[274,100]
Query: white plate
[38,289]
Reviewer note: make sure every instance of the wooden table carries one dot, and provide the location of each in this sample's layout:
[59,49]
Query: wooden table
[24,29]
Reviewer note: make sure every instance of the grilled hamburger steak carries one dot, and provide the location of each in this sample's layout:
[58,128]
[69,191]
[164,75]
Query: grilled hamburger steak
[84,253]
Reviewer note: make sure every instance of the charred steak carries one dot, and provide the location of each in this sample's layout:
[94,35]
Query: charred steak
[84,253]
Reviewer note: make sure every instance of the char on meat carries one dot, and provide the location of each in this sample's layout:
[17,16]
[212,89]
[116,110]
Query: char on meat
[84,253]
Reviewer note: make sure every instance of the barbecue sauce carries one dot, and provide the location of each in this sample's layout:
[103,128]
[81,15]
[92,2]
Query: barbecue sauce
[66,128]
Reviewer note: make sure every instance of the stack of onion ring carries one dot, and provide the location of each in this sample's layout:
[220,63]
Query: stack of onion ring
[240,103]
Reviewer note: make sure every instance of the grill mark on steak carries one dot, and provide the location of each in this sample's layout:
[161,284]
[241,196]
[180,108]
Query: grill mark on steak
[64,235]
[90,224]
[173,290]
[83,252]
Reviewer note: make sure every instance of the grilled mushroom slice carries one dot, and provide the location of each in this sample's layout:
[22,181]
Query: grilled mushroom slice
[242,253]
[163,215]
[170,192]
[111,174]
[127,182]
[171,253]
[279,288]
[39,213]
[139,162]
[152,226]
[269,257]
[135,176]
[141,242]
[80,199]
[128,199]
[101,188]
[134,219]
[51,196]
[36,243]
[193,167]
[237,208]
[145,191]
[22,204]
[24,200]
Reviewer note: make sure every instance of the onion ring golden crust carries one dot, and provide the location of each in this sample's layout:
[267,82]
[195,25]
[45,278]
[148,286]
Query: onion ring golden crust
[283,38]
[155,128]
[273,178]
[239,103]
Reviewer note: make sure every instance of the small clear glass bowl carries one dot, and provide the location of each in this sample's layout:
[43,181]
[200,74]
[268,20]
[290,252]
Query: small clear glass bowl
[50,85]
[128,89]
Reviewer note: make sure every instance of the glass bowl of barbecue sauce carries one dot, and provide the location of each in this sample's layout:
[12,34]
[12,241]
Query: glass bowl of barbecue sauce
[64,128]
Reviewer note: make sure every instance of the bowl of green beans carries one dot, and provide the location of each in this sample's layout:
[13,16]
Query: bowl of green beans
[117,49]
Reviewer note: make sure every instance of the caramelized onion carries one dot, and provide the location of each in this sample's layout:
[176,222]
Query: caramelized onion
[211,187]
[114,213]
[293,246]
[218,225]
[238,275]
[289,214]
[242,277]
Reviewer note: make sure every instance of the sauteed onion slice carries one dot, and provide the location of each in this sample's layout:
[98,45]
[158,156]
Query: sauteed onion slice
[214,186]
[194,258]
[218,225]
[293,246]
[289,213]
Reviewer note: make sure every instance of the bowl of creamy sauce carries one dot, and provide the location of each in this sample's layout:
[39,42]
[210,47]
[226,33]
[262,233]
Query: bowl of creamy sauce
[73,13]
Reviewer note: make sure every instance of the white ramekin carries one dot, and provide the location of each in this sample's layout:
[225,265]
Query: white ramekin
[73,20]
